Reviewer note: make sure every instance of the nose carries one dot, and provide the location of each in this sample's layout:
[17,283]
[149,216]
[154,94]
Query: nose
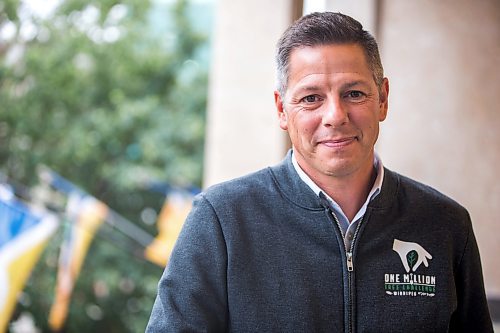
[335,114]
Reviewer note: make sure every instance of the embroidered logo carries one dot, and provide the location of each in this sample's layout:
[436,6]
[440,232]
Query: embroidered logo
[412,255]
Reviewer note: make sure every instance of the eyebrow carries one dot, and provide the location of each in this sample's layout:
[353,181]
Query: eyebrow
[345,86]
[309,88]
[349,85]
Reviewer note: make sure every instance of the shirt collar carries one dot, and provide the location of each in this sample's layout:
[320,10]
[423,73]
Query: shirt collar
[377,185]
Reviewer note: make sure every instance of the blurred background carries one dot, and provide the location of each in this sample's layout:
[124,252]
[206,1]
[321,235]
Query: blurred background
[113,114]
[102,118]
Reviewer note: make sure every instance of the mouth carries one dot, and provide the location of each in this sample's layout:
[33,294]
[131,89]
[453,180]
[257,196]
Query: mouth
[338,142]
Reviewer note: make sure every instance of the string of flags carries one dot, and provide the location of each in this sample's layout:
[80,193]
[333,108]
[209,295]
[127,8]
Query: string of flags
[25,230]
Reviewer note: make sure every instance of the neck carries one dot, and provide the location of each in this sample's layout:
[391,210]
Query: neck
[349,191]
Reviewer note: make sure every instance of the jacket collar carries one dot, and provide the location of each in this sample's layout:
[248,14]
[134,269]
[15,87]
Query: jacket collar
[296,191]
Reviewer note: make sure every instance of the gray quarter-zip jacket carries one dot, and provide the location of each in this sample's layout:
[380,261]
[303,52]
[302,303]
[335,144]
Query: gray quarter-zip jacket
[263,253]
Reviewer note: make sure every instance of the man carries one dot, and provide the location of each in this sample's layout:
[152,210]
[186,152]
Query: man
[328,240]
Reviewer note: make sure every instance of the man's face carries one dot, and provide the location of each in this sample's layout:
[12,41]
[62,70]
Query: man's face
[332,109]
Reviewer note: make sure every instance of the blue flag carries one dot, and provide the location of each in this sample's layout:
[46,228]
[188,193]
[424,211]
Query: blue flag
[23,236]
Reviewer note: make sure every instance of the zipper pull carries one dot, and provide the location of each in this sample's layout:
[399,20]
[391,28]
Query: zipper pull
[350,266]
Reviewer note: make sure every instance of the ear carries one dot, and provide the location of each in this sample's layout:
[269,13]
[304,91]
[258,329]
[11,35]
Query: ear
[282,116]
[383,99]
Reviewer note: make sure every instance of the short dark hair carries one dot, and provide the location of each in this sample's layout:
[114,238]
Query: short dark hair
[323,29]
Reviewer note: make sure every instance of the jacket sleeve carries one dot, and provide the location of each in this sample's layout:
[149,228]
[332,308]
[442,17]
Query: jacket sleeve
[192,294]
[472,314]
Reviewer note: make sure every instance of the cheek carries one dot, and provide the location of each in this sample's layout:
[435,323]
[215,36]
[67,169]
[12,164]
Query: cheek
[303,125]
[307,124]
[366,121]
[305,132]
[371,131]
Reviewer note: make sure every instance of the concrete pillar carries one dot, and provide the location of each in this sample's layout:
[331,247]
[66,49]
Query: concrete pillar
[243,133]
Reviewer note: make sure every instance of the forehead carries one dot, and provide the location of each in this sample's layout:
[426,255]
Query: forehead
[330,60]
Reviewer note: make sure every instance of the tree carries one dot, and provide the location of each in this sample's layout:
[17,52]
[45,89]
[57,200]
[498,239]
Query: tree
[95,91]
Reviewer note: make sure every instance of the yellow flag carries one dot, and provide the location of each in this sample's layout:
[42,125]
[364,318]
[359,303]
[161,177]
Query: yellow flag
[170,221]
[23,236]
[88,214]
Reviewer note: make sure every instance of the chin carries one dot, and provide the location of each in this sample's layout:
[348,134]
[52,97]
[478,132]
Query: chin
[339,170]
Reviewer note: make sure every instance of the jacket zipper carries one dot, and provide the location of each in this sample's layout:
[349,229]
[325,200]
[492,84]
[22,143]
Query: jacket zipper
[350,269]
[350,266]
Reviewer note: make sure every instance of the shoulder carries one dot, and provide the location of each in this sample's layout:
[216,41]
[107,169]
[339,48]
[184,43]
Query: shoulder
[424,197]
[238,200]
[215,209]
[254,184]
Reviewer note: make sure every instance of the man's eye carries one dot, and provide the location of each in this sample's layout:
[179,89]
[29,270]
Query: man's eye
[355,94]
[310,99]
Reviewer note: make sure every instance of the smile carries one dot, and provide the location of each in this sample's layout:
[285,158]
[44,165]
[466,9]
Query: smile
[338,143]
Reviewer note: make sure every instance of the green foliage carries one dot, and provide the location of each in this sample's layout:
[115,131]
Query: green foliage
[8,10]
[412,257]
[103,97]
[104,112]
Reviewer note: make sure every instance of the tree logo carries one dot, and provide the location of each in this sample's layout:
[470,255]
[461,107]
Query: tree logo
[411,254]
[411,284]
